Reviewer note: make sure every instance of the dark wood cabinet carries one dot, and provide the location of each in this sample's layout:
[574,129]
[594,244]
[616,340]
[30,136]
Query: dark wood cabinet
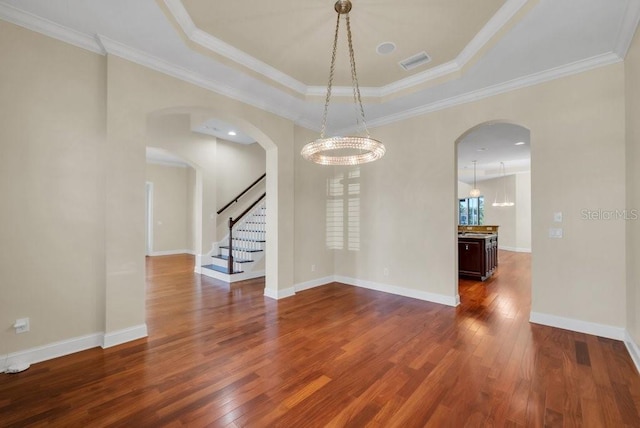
[477,255]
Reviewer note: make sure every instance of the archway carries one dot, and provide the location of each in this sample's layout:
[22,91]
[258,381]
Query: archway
[195,151]
[493,193]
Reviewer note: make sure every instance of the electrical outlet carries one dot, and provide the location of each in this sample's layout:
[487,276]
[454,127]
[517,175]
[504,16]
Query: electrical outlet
[313,268]
[385,271]
[555,233]
[21,325]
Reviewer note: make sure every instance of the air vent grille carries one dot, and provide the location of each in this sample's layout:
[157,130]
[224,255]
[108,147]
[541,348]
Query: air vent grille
[415,61]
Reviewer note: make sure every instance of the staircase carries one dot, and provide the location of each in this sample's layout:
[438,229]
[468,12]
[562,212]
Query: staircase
[249,241]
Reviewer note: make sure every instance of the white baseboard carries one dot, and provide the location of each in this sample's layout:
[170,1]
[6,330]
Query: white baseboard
[602,330]
[401,291]
[236,277]
[279,294]
[71,346]
[313,283]
[515,249]
[634,350]
[171,252]
[386,288]
[125,335]
[51,350]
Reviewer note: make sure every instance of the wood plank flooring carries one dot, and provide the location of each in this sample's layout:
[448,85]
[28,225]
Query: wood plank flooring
[336,355]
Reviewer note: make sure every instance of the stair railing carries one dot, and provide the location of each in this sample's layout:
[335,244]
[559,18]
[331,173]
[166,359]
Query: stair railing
[234,200]
[232,223]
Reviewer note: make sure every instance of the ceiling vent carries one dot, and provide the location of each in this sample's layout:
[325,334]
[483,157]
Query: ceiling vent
[415,61]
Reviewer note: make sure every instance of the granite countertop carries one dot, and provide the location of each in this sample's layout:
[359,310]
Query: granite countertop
[476,235]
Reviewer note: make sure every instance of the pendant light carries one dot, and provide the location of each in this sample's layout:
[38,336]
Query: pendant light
[475,192]
[505,202]
[347,150]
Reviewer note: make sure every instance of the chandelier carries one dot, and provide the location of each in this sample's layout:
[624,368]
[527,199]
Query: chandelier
[475,192]
[347,150]
[505,202]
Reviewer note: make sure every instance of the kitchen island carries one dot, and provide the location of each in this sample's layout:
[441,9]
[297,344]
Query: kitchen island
[477,254]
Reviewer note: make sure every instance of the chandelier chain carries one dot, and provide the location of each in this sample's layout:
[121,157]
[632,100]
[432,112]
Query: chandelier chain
[332,69]
[343,150]
[354,79]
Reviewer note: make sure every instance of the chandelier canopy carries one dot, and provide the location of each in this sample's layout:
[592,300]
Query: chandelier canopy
[347,150]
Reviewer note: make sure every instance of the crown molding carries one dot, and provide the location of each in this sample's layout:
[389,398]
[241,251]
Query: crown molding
[206,40]
[126,52]
[103,45]
[628,28]
[508,10]
[49,28]
[523,82]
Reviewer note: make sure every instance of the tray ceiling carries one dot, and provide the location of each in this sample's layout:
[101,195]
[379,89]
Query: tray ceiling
[295,37]
[274,55]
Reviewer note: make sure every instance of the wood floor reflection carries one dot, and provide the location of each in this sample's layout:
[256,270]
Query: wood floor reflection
[335,355]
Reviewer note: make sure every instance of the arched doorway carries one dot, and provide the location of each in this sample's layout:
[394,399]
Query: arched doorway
[493,163]
[172,130]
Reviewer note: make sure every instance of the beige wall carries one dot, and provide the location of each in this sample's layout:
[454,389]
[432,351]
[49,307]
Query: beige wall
[523,211]
[311,181]
[192,218]
[515,221]
[632,69]
[463,190]
[139,98]
[407,219]
[224,170]
[505,217]
[81,195]
[74,129]
[238,165]
[171,208]
[52,189]
[172,132]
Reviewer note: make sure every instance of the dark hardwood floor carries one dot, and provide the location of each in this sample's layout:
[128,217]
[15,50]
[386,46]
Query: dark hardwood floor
[336,355]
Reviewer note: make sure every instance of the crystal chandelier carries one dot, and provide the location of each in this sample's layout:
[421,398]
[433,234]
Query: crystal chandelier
[506,202]
[348,150]
[475,192]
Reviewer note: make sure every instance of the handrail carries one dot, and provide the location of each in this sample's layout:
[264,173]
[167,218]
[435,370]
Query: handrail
[233,201]
[232,223]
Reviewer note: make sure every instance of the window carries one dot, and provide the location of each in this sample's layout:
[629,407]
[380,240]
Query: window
[471,211]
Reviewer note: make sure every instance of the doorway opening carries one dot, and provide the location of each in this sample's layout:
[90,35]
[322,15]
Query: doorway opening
[194,134]
[493,197]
